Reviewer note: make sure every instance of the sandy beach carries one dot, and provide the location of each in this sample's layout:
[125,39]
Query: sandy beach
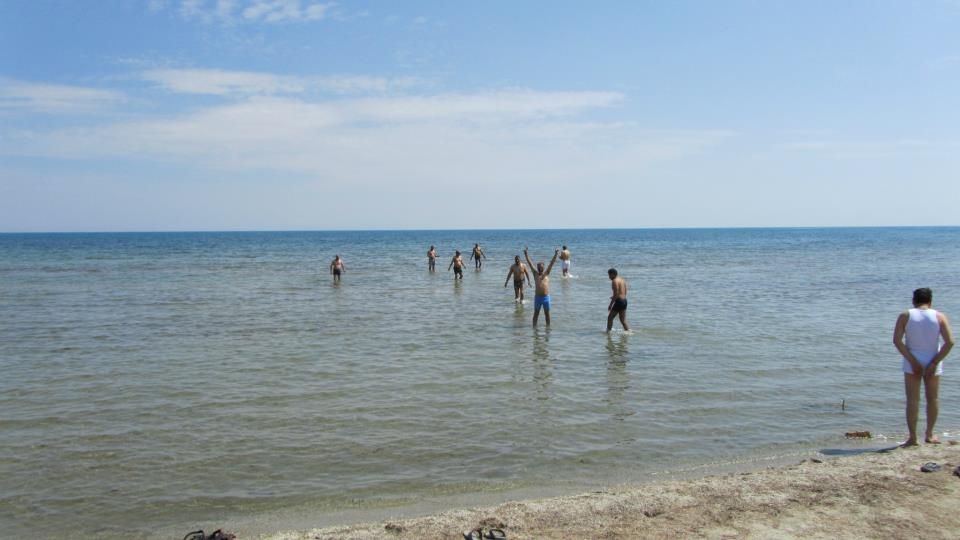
[870,495]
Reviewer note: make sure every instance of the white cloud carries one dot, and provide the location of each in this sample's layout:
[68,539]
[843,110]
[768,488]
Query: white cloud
[247,83]
[49,98]
[230,11]
[495,138]
[285,10]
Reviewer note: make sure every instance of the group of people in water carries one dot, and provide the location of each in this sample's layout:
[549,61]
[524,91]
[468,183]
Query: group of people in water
[922,335]
[521,274]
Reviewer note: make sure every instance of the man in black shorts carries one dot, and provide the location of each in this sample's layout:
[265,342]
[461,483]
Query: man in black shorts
[457,264]
[618,302]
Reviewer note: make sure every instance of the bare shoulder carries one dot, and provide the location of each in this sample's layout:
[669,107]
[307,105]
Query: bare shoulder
[942,318]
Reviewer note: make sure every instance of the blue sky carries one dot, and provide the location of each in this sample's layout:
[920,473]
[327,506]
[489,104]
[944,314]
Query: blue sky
[301,114]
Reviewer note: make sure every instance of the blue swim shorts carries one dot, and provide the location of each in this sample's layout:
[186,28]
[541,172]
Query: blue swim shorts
[541,302]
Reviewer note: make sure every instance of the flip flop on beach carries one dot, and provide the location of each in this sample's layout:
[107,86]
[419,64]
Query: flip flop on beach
[496,534]
[475,534]
[930,467]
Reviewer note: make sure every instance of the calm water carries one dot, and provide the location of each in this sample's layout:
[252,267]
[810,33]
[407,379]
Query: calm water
[154,383]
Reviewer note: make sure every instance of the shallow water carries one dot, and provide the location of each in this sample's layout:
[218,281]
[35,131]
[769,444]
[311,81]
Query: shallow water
[160,382]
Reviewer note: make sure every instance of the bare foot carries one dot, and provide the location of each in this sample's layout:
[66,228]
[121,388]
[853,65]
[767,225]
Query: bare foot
[908,443]
[932,439]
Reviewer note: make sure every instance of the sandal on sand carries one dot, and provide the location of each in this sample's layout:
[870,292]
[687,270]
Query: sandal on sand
[215,535]
[930,467]
[496,534]
[475,534]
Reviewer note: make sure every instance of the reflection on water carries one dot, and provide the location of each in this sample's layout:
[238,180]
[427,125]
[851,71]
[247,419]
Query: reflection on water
[618,377]
[542,366]
[617,346]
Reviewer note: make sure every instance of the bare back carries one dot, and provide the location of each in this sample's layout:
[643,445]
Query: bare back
[619,288]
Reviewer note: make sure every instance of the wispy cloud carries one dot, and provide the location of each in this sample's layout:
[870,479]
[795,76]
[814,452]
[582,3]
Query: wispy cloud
[233,11]
[54,99]
[490,137]
[246,83]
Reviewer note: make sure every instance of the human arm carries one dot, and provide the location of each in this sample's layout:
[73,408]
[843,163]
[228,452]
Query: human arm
[510,273]
[556,252]
[947,334]
[613,297]
[449,266]
[527,282]
[484,254]
[526,255]
[898,332]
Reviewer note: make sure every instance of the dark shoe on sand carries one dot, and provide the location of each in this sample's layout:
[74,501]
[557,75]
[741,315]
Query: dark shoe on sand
[956,472]
[475,534]
[215,535]
[496,534]
[930,467]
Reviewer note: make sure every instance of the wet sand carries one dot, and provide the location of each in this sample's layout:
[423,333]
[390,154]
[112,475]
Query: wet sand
[870,495]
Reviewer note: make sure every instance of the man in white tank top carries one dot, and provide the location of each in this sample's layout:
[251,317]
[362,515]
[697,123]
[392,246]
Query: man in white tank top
[917,336]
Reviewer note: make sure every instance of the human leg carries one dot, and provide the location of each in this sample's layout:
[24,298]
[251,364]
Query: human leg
[931,387]
[911,384]
[623,319]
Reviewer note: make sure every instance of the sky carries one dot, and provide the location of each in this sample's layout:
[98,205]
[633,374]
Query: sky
[171,115]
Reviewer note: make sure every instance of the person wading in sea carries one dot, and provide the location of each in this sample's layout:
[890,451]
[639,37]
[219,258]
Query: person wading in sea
[917,336]
[337,268]
[457,263]
[477,253]
[565,261]
[541,278]
[519,272]
[432,259]
[618,302]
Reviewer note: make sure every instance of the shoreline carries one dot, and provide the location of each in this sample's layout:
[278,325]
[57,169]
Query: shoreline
[872,494]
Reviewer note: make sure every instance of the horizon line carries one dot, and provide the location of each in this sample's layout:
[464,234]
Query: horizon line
[468,229]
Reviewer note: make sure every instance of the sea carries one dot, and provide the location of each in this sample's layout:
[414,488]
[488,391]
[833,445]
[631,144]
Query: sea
[152,384]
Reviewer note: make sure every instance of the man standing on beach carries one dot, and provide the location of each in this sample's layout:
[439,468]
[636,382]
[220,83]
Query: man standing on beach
[337,268]
[432,259]
[618,302]
[565,261]
[457,264]
[477,253]
[917,336]
[541,278]
[518,271]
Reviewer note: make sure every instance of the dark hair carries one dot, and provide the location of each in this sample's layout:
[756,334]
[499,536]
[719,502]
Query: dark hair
[612,272]
[457,253]
[564,247]
[516,258]
[922,296]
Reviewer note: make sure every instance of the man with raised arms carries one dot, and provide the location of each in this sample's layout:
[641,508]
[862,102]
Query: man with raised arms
[432,259]
[477,253]
[618,302]
[565,261]
[337,268]
[917,335]
[518,271]
[457,263]
[541,278]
